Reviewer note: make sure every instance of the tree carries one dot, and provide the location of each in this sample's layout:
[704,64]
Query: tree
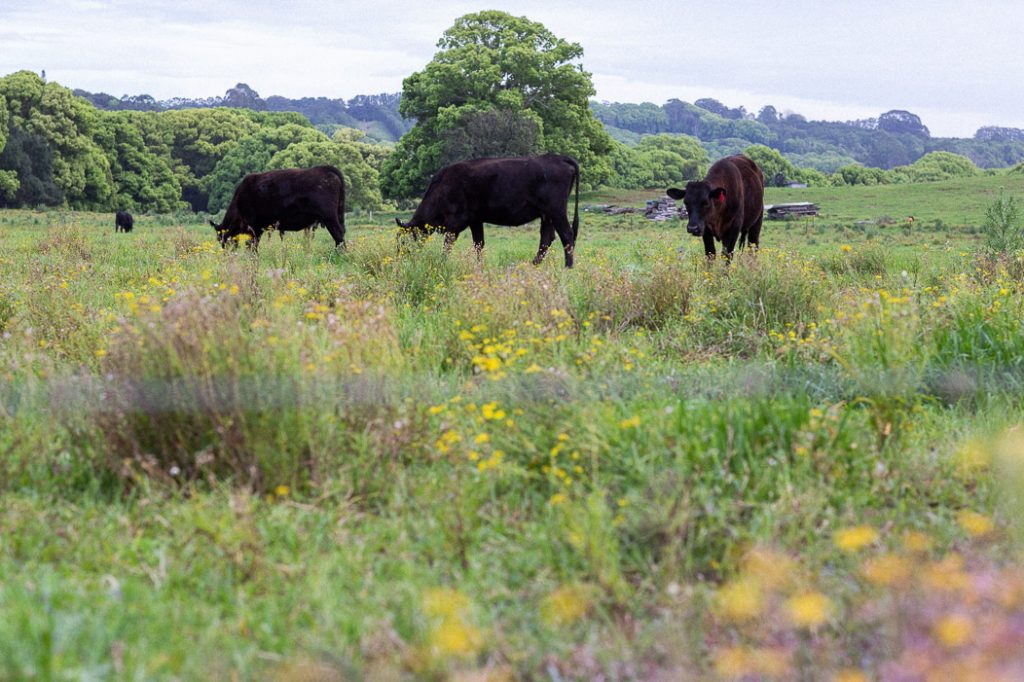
[142,177]
[493,61]
[8,178]
[768,115]
[673,159]
[899,121]
[243,97]
[490,132]
[27,175]
[66,125]
[937,166]
[200,138]
[778,171]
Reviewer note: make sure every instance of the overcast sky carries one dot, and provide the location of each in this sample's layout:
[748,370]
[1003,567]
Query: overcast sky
[957,64]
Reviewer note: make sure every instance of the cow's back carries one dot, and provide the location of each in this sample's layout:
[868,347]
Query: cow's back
[743,181]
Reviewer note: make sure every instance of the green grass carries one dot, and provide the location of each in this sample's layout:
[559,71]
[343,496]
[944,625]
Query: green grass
[306,465]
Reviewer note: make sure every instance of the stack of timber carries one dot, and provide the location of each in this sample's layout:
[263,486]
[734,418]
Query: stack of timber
[664,209]
[610,209]
[781,211]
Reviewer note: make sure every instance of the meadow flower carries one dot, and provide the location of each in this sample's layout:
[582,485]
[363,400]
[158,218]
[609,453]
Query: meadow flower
[888,569]
[456,638]
[917,542]
[566,605]
[854,539]
[953,631]
[809,609]
[741,599]
[444,602]
[977,525]
[631,423]
[734,662]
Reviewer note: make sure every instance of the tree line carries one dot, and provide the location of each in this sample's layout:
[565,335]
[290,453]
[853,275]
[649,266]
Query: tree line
[58,149]
[895,138]
[498,85]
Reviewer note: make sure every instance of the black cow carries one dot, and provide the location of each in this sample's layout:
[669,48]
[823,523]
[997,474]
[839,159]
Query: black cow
[728,204]
[502,191]
[123,222]
[287,200]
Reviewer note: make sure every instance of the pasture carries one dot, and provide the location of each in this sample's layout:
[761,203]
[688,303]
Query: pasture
[303,465]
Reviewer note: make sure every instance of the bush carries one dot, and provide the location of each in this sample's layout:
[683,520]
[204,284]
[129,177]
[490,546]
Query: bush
[1004,232]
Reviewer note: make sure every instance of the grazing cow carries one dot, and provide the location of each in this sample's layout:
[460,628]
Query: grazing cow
[728,204]
[502,191]
[287,200]
[123,222]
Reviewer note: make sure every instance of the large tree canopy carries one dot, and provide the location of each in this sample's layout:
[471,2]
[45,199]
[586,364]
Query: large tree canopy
[65,125]
[494,62]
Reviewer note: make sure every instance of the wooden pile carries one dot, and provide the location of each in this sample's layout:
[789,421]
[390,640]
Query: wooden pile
[782,211]
[664,209]
[610,209]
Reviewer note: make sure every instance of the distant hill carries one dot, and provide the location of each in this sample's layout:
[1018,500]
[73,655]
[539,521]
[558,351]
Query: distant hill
[376,115]
[895,138]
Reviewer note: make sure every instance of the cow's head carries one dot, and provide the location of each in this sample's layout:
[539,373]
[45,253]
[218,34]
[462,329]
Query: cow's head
[703,205]
[233,234]
[415,229]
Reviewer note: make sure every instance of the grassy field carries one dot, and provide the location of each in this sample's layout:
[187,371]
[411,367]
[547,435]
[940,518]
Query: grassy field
[302,465]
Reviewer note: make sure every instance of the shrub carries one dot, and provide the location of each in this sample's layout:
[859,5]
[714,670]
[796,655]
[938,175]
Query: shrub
[1004,232]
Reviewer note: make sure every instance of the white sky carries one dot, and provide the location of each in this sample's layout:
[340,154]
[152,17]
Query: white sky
[957,64]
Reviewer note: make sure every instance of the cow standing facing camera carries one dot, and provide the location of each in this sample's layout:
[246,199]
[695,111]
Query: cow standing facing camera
[728,204]
[123,222]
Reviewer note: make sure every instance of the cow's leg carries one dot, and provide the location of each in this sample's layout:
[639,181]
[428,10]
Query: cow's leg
[449,240]
[566,236]
[754,234]
[729,243]
[547,235]
[709,244]
[477,230]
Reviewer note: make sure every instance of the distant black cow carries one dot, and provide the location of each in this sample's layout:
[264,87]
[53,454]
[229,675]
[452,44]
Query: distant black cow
[123,221]
[287,200]
[728,204]
[502,191]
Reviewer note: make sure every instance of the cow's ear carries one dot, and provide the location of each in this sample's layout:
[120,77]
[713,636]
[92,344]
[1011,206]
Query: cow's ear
[215,225]
[718,195]
[675,192]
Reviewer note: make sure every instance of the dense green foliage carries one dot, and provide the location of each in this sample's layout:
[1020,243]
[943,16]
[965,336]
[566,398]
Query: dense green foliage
[496,65]
[658,161]
[376,115]
[60,150]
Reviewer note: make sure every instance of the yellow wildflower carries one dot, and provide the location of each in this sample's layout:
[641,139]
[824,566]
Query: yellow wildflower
[953,631]
[740,599]
[977,525]
[888,569]
[566,605]
[809,609]
[853,539]
[454,637]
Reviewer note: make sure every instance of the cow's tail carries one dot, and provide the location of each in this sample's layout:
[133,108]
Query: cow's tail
[576,214]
